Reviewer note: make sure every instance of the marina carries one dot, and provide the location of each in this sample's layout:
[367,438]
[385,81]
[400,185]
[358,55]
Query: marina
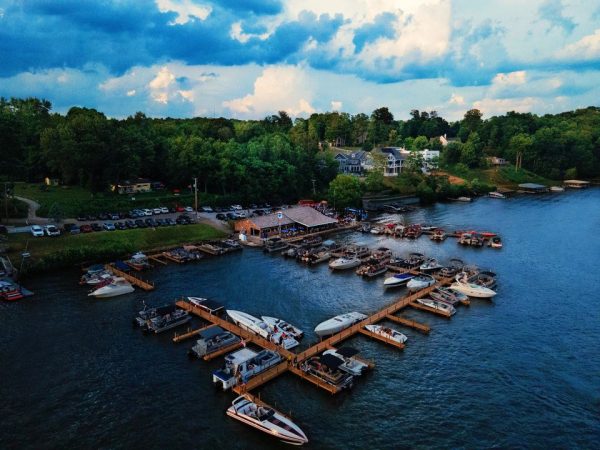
[434,351]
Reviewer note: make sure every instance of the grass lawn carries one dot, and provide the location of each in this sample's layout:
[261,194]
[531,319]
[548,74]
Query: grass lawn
[16,209]
[504,176]
[67,250]
[75,200]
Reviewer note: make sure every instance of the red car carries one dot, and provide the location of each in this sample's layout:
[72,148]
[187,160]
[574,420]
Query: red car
[86,228]
[179,208]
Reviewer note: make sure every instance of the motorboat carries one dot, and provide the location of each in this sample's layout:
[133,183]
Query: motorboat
[118,286]
[242,365]
[327,368]
[339,323]
[138,261]
[274,244]
[473,290]
[445,295]
[399,279]
[377,230]
[257,326]
[212,340]
[267,420]
[345,263]
[414,259]
[495,242]
[496,194]
[439,306]
[420,282]
[147,314]
[557,189]
[413,231]
[208,305]
[388,333]
[279,325]
[350,364]
[438,235]
[372,270]
[96,278]
[484,278]
[430,265]
[168,321]
[95,268]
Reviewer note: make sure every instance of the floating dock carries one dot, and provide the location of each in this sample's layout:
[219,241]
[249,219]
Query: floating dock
[136,281]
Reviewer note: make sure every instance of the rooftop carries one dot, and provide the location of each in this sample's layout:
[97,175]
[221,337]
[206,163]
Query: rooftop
[532,186]
[307,216]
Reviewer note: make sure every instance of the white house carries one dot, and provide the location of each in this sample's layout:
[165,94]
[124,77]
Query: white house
[394,161]
[354,163]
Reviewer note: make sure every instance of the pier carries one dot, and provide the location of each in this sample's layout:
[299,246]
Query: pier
[136,281]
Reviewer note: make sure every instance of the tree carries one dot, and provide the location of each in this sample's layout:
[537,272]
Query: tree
[56,213]
[472,151]
[571,173]
[414,163]
[374,182]
[345,191]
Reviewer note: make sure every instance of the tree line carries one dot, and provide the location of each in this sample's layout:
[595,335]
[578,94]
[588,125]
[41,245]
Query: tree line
[275,158]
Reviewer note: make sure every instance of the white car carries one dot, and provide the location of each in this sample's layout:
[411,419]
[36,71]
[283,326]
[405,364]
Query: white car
[241,214]
[37,231]
[157,211]
[238,207]
[164,210]
[189,209]
[207,209]
[51,230]
[147,212]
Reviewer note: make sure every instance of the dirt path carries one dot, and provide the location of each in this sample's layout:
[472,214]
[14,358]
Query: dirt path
[451,178]
[32,217]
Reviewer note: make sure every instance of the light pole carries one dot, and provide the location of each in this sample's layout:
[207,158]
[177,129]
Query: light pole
[196,197]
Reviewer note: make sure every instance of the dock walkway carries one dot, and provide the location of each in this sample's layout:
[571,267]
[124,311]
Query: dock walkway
[136,281]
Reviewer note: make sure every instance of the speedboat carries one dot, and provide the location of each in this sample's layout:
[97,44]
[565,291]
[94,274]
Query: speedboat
[557,189]
[118,286]
[434,304]
[472,290]
[430,265]
[449,296]
[138,261]
[96,278]
[267,420]
[257,326]
[338,323]
[387,332]
[242,365]
[208,305]
[495,242]
[278,325]
[350,364]
[327,368]
[398,280]
[496,194]
[147,314]
[344,263]
[420,282]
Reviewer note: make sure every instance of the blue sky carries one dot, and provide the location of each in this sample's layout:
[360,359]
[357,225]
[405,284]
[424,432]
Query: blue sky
[250,58]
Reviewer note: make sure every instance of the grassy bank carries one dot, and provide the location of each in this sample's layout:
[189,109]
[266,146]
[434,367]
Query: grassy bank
[68,250]
[503,176]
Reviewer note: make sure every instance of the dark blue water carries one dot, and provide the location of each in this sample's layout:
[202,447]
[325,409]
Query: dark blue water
[521,372]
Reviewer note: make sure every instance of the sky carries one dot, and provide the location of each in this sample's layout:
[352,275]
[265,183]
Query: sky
[248,59]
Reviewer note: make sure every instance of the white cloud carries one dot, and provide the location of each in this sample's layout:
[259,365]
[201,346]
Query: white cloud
[456,99]
[498,106]
[277,88]
[131,93]
[186,10]
[336,105]
[511,78]
[236,32]
[187,95]
[163,79]
[588,47]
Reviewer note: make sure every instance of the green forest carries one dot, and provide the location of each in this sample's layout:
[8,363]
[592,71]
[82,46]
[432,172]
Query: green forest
[277,158]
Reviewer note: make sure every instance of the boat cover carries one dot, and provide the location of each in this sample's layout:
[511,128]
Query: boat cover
[211,332]
[347,352]
[122,266]
[333,362]
[212,305]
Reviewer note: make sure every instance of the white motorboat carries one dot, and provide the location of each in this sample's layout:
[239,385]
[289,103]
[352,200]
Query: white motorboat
[496,194]
[96,278]
[472,290]
[430,265]
[118,286]
[279,325]
[257,326]
[242,365]
[344,263]
[387,332]
[434,304]
[420,282]
[557,189]
[447,295]
[338,323]
[399,279]
[267,420]
[350,364]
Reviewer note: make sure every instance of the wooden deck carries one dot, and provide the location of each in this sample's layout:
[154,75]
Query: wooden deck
[409,323]
[189,334]
[136,281]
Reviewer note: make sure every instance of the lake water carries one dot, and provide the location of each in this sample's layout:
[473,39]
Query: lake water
[522,371]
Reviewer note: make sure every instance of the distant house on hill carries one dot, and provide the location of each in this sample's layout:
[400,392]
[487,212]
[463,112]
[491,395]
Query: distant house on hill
[354,163]
[394,161]
[133,186]
[496,161]
[446,140]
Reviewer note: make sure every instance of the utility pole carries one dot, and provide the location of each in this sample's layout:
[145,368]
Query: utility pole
[196,196]
[6,200]
[314,187]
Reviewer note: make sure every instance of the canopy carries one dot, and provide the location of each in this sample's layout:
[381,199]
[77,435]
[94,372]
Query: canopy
[347,352]
[333,362]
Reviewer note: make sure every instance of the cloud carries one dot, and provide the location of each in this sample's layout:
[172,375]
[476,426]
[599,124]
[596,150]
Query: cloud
[277,88]
[336,105]
[512,78]
[186,10]
[552,11]
[497,106]
[381,27]
[586,48]
[456,99]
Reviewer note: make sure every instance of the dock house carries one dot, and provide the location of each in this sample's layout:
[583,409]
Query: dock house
[533,188]
[576,184]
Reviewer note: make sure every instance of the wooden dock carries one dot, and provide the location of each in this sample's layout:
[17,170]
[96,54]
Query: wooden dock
[382,338]
[157,258]
[439,312]
[409,323]
[136,281]
[191,333]
[222,351]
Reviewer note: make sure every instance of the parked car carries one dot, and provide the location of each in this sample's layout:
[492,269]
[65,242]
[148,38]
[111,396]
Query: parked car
[51,230]
[120,226]
[156,211]
[150,222]
[258,212]
[206,209]
[37,231]
[96,227]
[114,216]
[160,222]
[71,228]
[90,217]
[82,218]
[147,212]
[237,207]
[130,224]
[164,210]
[103,216]
[109,226]
[189,209]
[140,223]
[241,214]
[221,216]
[171,222]
[179,209]
[87,228]
[230,216]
